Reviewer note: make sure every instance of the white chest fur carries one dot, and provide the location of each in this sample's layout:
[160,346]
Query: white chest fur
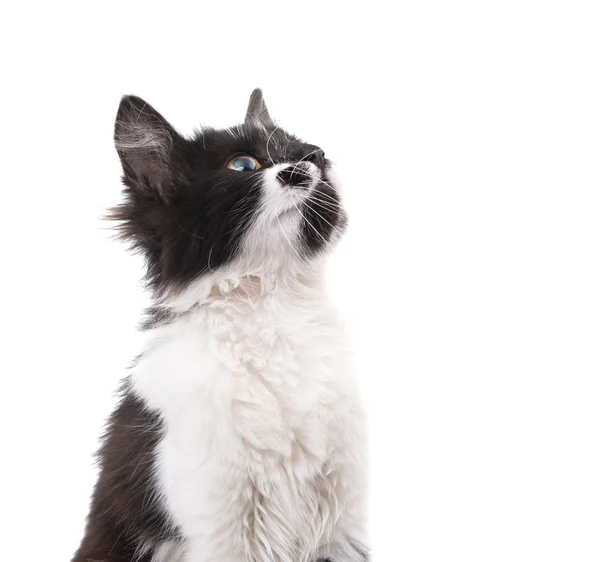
[262,456]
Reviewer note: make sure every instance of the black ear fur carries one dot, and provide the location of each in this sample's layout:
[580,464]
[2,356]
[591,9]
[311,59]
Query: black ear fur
[151,151]
[257,110]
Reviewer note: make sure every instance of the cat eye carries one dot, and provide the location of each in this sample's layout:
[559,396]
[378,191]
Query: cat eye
[243,164]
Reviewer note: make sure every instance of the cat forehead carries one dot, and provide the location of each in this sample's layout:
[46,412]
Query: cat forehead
[247,137]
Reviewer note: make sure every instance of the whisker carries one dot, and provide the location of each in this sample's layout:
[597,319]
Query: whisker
[332,187]
[329,196]
[308,222]
[329,205]
[309,154]
[242,222]
[268,140]
[286,236]
[335,228]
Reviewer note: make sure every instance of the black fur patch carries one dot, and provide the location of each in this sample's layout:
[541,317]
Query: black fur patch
[155,316]
[125,509]
[323,218]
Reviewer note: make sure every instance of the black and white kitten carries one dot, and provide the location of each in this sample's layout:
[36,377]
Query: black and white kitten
[239,436]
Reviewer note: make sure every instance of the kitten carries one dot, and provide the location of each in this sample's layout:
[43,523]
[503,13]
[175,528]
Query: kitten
[239,435]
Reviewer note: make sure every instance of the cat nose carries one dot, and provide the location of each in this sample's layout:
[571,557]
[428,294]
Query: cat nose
[299,175]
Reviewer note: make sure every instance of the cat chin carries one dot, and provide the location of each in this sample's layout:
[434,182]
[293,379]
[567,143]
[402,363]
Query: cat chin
[287,214]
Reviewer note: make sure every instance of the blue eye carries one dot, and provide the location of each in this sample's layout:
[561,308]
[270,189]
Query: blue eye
[243,164]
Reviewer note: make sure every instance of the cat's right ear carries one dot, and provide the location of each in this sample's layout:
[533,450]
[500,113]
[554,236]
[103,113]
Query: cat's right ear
[151,151]
[257,112]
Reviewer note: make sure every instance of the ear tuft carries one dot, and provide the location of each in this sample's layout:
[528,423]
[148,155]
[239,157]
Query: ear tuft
[140,128]
[257,110]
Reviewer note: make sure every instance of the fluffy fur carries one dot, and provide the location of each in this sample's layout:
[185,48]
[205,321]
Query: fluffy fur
[239,436]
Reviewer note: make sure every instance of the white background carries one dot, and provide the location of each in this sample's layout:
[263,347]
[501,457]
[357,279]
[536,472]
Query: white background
[468,136]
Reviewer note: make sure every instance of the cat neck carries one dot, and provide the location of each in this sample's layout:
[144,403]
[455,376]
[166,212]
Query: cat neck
[225,287]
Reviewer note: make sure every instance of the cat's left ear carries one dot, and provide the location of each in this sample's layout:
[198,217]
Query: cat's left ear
[152,152]
[257,110]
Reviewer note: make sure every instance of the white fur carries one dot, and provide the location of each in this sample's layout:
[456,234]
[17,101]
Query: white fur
[168,551]
[263,456]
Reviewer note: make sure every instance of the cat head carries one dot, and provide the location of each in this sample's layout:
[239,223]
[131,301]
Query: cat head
[251,199]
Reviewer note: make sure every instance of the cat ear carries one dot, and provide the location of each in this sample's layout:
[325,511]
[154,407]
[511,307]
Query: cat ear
[150,149]
[257,110]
